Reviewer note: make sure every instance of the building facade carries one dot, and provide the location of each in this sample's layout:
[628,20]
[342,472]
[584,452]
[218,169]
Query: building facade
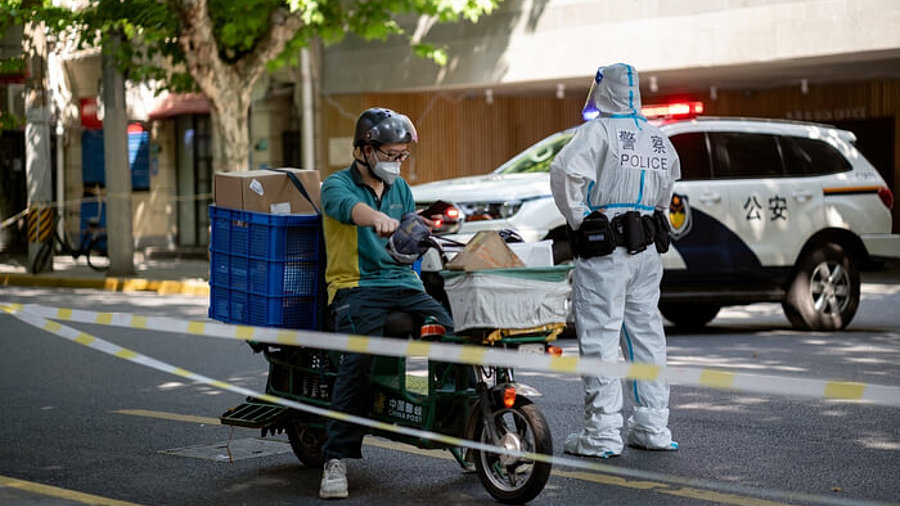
[523,72]
[513,78]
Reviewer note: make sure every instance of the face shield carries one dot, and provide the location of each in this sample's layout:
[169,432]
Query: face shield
[590,110]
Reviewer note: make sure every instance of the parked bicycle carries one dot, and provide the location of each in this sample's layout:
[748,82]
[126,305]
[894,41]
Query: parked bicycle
[91,245]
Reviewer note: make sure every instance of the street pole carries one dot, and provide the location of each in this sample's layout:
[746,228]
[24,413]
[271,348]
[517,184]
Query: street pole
[119,235]
[308,133]
[37,151]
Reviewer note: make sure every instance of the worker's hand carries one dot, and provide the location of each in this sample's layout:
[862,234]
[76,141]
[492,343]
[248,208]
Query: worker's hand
[385,225]
[430,222]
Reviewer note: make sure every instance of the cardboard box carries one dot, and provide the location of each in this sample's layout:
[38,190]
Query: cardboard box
[268,191]
[485,251]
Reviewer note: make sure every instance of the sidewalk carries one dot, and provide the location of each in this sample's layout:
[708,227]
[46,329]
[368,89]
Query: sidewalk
[185,275]
[161,274]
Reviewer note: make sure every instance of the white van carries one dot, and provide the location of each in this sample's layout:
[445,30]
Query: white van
[766,210]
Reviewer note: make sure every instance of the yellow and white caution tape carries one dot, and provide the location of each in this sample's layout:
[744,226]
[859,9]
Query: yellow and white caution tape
[102,199]
[483,355]
[12,219]
[115,350]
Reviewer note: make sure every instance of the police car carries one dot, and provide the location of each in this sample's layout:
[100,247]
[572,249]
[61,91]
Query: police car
[766,211]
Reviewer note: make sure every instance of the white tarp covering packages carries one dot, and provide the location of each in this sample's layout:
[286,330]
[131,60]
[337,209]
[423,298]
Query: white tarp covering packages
[516,298]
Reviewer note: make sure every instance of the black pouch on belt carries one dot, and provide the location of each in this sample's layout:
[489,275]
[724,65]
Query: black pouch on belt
[635,239]
[595,237]
[662,233]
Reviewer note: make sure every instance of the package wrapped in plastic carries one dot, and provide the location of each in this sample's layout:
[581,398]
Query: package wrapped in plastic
[508,298]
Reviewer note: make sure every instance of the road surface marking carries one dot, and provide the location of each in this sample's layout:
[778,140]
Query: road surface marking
[113,349]
[168,416]
[60,493]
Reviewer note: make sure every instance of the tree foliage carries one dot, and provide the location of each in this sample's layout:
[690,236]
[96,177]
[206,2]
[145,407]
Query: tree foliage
[223,46]
[151,28]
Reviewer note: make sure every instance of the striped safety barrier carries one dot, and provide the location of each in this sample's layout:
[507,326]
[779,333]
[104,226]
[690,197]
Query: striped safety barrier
[482,355]
[30,314]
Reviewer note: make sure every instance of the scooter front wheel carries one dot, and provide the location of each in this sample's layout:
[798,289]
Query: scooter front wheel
[515,480]
[307,444]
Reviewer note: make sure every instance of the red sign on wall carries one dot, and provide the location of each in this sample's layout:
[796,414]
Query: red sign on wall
[89,109]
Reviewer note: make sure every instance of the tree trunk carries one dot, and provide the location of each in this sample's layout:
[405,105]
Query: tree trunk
[228,85]
[231,135]
[120,242]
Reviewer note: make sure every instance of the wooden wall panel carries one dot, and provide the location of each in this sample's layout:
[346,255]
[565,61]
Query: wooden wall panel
[461,134]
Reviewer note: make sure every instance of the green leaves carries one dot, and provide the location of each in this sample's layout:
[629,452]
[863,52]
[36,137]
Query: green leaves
[240,25]
[12,66]
[151,28]
[10,121]
[438,56]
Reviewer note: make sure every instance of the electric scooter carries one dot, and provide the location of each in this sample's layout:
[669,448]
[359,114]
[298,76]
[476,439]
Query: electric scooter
[478,403]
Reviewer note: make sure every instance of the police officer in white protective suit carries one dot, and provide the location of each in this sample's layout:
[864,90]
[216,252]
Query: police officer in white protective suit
[612,183]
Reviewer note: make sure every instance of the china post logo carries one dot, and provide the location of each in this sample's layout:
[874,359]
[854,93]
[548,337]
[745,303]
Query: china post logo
[679,216]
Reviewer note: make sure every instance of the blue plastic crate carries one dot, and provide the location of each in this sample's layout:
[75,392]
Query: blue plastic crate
[266,269]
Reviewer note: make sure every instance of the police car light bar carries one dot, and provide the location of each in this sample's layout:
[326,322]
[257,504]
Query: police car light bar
[673,110]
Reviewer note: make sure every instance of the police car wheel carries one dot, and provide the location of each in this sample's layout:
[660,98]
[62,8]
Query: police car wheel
[824,293]
[689,315]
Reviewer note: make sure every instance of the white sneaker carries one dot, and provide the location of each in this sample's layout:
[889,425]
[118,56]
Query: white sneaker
[334,480]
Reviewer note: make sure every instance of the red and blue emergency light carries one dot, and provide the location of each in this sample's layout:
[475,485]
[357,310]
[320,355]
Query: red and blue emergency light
[673,110]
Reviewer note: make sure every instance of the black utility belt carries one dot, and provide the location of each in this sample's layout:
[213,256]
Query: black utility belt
[600,236]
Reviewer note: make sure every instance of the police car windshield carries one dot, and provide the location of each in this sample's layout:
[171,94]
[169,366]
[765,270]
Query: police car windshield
[536,158]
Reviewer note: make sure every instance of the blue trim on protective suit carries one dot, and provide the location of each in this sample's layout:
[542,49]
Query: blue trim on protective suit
[641,191]
[631,85]
[587,199]
[635,116]
[637,398]
[632,206]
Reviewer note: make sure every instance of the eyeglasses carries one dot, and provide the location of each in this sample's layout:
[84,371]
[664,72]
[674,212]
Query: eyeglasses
[394,156]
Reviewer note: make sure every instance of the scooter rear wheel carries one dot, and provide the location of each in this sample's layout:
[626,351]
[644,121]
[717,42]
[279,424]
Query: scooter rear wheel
[514,480]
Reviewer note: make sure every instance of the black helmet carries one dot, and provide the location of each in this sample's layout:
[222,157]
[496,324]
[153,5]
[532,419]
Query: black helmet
[379,126]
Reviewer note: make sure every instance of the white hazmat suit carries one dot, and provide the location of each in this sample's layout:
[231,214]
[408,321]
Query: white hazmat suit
[617,163]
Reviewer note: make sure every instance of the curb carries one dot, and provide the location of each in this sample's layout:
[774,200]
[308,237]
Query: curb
[195,288]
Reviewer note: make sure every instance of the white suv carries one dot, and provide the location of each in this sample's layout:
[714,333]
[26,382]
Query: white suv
[766,210]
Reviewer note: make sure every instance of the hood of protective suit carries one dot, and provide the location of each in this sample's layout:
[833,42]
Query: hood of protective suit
[616,90]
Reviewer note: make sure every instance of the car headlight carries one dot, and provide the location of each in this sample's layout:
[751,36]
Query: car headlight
[480,211]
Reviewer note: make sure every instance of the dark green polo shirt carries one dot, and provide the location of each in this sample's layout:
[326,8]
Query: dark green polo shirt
[356,255]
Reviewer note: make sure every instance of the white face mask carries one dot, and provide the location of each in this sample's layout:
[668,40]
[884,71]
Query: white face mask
[386,171]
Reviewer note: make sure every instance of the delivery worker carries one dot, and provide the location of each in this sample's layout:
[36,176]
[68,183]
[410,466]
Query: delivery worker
[612,183]
[363,205]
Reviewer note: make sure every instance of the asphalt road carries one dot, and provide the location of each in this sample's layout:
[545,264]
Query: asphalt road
[84,427]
